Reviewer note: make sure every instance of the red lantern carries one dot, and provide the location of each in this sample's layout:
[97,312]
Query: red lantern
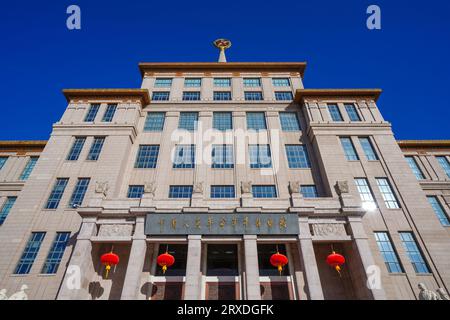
[336,260]
[109,259]
[165,260]
[279,260]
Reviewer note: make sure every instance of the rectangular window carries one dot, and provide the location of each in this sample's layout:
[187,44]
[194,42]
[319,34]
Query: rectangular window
[264,191]
[163,82]
[281,82]
[445,164]
[252,82]
[253,96]
[154,121]
[222,192]
[92,113]
[439,210]
[160,96]
[352,113]
[147,156]
[309,191]
[135,191]
[184,157]
[180,192]
[192,82]
[188,121]
[222,121]
[222,95]
[57,193]
[388,253]
[79,192]
[413,252]
[29,253]
[388,195]
[297,156]
[260,156]
[2,161]
[28,168]
[256,121]
[415,168]
[191,96]
[76,149]
[283,95]
[289,121]
[349,148]
[6,208]
[368,148]
[109,113]
[222,156]
[365,193]
[222,82]
[335,114]
[96,148]
[56,253]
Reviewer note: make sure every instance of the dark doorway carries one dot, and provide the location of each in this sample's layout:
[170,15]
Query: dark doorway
[222,260]
[179,251]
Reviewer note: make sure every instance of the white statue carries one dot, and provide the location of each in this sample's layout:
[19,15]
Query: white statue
[3,295]
[101,187]
[426,294]
[20,295]
[246,186]
[198,187]
[442,294]
[294,186]
[150,187]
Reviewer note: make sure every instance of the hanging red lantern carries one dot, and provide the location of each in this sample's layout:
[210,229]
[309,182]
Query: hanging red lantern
[109,259]
[279,260]
[336,260]
[165,260]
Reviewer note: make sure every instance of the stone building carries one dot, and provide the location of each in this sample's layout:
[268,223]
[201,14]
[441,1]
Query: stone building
[222,165]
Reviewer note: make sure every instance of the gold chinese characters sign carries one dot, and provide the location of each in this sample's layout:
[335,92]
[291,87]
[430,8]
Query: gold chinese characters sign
[221,224]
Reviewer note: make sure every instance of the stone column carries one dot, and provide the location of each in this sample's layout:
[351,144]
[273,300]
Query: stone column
[136,261]
[192,287]
[251,268]
[308,261]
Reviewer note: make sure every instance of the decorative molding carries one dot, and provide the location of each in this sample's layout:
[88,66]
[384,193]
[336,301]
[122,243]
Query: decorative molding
[114,230]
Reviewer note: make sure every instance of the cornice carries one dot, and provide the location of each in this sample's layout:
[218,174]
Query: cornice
[302,94]
[114,94]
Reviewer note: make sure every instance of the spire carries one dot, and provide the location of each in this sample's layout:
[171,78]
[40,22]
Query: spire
[222,44]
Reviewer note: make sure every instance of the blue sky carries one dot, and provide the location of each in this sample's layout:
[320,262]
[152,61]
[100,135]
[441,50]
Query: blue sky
[408,58]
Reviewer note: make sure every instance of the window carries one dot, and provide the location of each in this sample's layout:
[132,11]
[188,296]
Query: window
[57,193]
[180,192]
[161,96]
[2,161]
[222,95]
[184,157]
[147,156]
[289,121]
[192,82]
[154,121]
[253,96]
[163,82]
[386,191]
[222,82]
[264,191]
[222,192]
[415,168]
[188,121]
[281,82]
[179,252]
[92,113]
[352,113]
[349,149]
[56,253]
[368,148]
[260,156]
[135,191]
[439,210]
[297,156]
[222,156]
[365,193]
[413,252]
[334,112]
[256,121]
[76,149]
[388,253]
[79,192]
[283,95]
[265,251]
[309,191]
[191,96]
[445,164]
[252,82]
[29,253]
[96,148]
[222,121]
[222,260]
[109,113]
[6,208]
[28,168]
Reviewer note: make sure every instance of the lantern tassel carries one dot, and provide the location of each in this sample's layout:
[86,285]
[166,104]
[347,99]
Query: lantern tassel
[338,269]
[164,268]
[108,267]
[280,268]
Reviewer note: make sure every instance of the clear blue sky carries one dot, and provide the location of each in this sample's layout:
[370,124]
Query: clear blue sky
[408,58]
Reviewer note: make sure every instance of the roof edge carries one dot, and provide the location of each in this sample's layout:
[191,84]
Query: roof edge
[142,94]
[424,143]
[301,94]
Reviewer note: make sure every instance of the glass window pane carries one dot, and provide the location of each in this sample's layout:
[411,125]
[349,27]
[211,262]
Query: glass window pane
[252,82]
[109,113]
[445,164]
[56,253]
[439,210]
[96,148]
[283,96]
[222,95]
[180,192]
[365,193]
[163,82]
[352,113]
[76,149]
[388,195]
[222,156]
[334,112]
[135,191]
[184,156]
[222,192]
[222,82]
[264,191]
[349,149]
[188,121]
[92,112]
[368,148]
[57,193]
[281,82]
[160,96]
[147,156]
[29,253]
[308,191]
[260,156]
[256,121]
[222,121]
[79,192]
[297,156]
[28,168]
[413,252]
[253,96]
[192,82]
[388,253]
[154,121]
[6,208]
[289,121]
[2,161]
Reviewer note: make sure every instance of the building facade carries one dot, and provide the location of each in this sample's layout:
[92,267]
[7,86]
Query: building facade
[222,165]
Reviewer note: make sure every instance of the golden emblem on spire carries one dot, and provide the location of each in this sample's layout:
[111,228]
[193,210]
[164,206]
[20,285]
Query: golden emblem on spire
[222,44]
